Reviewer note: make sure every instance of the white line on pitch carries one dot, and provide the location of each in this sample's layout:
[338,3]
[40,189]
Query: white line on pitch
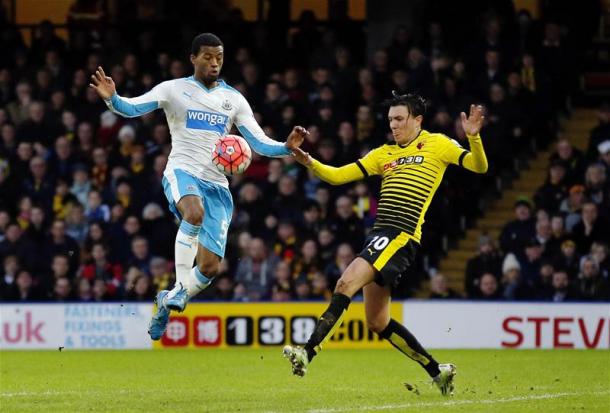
[461,402]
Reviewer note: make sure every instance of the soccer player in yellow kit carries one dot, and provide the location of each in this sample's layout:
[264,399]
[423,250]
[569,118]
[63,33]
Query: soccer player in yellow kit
[412,168]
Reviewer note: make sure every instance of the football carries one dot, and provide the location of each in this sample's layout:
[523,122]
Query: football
[232,155]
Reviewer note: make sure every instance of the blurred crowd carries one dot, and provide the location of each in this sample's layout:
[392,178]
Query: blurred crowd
[82,211]
[556,248]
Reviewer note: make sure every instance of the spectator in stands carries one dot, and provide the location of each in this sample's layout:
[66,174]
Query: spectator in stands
[62,291]
[488,259]
[140,255]
[162,277]
[142,290]
[597,189]
[255,272]
[562,290]
[158,229]
[101,269]
[36,231]
[76,223]
[320,287]
[599,254]
[572,206]
[306,264]
[60,268]
[568,259]
[343,257]
[96,209]
[571,158]
[591,228]
[552,247]
[282,279]
[591,286]
[61,243]
[24,288]
[550,195]
[488,288]
[10,267]
[285,242]
[346,226]
[544,286]
[518,232]
[100,291]
[251,208]
[543,232]
[39,186]
[62,199]
[302,290]
[312,219]
[514,286]
[81,185]
[83,290]
[18,109]
[439,288]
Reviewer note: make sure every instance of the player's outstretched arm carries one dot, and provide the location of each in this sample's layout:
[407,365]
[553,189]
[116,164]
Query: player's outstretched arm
[126,107]
[334,176]
[475,161]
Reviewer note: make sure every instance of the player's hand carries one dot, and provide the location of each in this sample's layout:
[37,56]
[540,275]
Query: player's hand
[103,85]
[301,156]
[474,122]
[296,137]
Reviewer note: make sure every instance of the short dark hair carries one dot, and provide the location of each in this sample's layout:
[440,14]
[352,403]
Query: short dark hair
[205,39]
[416,104]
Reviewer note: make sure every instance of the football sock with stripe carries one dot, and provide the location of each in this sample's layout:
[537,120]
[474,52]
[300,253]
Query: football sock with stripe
[327,324]
[406,343]
[197,282]
[185,251]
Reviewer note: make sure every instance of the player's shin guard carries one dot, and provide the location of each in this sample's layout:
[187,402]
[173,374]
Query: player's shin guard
[327,324]
[197,282]
[185,250]
[406,343]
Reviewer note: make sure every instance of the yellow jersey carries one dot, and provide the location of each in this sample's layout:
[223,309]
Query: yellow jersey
[410,175]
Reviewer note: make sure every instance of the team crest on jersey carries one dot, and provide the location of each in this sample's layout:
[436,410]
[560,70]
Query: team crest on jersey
[226,105]
[420,145]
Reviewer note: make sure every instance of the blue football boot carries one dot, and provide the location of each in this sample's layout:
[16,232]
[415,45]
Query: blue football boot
[159,321]
[178,301]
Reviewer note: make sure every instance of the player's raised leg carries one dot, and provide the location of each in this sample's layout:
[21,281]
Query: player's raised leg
[218,207]
[184,198]
[358,274]
[377,308]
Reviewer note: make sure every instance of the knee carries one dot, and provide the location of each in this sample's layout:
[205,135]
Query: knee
[194,215]
[209,268]
[344,287]
[376,324]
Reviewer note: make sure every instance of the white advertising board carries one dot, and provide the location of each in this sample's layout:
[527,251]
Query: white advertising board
[468,324]
[81,326]
[437,324]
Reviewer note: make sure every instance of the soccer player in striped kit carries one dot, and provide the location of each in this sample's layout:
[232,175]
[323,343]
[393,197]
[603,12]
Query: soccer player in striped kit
[411,168]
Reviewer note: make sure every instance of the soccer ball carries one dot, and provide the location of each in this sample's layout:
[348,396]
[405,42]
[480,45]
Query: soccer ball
[232,155]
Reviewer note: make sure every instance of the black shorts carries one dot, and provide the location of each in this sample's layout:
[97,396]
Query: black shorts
[391,252]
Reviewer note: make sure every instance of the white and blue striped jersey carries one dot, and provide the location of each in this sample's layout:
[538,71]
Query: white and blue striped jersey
[197,117]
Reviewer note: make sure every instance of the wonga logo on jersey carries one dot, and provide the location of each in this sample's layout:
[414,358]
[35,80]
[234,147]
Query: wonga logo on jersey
[215,122]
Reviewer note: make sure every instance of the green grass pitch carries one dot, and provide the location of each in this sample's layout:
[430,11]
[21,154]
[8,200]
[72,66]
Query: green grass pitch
[248,380]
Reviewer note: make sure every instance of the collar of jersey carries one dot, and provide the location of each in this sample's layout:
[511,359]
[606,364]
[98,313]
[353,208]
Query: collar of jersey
[414,139]
[202,86]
